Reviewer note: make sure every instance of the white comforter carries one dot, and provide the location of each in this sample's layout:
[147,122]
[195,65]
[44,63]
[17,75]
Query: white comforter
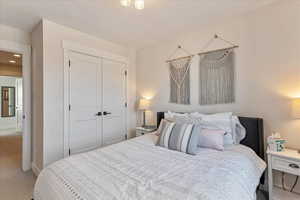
[137,169]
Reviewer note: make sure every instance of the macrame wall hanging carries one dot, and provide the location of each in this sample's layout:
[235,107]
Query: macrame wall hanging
[216,74]
[179,70]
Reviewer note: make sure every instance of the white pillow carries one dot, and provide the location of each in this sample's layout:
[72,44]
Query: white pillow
[196,114]
[171,115]
[210,117]
[186,120]
[238,130]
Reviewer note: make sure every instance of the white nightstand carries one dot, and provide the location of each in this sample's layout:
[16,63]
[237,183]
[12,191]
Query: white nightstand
[144,130]
[287,161]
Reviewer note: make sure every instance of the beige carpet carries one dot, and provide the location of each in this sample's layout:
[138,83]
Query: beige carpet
[9,132]
[14,183]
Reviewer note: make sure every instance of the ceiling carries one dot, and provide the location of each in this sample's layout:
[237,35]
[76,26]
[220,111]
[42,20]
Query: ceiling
[5,57]
[108,20]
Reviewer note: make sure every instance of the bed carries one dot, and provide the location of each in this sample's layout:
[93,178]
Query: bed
[138,169]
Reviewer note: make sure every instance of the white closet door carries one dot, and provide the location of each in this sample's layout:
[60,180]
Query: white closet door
[85,102]
[114,99]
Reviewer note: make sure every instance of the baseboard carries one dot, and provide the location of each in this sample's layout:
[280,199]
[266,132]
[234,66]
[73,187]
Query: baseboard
[35,169]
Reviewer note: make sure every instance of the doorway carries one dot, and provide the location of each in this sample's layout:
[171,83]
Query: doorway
[11,110]
[15,67]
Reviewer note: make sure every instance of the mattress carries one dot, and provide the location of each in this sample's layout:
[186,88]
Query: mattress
[137,169]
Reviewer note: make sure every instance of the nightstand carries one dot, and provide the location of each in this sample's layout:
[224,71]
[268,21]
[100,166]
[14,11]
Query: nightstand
[287,161]
[144,130]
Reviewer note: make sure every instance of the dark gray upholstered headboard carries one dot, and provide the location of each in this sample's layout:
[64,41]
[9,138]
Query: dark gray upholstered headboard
[254,134]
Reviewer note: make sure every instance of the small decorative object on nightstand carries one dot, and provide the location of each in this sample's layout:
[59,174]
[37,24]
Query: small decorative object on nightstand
[142,130]
[287,161]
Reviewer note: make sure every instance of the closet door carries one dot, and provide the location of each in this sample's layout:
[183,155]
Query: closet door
[114,101]
[85,103]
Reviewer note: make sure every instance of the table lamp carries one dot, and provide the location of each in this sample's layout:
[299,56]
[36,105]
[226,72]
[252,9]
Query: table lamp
[144,105]
[296,110]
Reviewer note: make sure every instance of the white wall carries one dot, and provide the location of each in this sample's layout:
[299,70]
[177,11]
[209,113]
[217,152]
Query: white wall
[37,55]
[14,34]
[267,67]
[7,122]
[53,35]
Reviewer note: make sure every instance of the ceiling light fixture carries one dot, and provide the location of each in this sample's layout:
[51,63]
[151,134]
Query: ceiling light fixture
[17,55]
[12,61]
[138,4]
[125,3]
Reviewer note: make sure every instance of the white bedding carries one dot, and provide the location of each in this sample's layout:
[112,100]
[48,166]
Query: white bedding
[137,169]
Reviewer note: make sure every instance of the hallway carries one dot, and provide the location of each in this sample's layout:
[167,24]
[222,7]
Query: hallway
[14,183]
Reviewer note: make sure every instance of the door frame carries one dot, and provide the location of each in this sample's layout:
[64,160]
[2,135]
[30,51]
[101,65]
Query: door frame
[75,47]
[19,123]
[25,50]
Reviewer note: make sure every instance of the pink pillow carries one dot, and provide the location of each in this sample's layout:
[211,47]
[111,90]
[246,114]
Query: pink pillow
[213,139]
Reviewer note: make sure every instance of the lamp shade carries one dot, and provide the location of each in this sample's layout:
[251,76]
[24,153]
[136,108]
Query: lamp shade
[139,4]
[125,3]
[144,104]
[296,108]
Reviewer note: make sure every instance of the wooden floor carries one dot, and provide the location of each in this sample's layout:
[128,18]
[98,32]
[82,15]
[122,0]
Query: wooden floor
[14,183]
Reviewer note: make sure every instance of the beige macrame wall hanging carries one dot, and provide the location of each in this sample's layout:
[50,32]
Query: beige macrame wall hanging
[216,75]
[179,70]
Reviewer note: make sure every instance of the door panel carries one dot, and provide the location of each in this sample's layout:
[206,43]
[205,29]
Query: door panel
[85,102]
[114,98]
[19,104]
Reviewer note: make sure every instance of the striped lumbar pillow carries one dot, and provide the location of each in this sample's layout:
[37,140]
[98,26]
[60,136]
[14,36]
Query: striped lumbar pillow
[179,137]
[162,126]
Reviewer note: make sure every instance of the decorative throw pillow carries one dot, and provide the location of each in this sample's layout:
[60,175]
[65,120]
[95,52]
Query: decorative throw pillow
[162,126]
[179,137]
[228,139]
[235,132]
[218,121]
[213,139]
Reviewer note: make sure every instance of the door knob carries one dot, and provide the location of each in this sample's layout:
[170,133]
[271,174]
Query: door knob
[106,113]
[98,113]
